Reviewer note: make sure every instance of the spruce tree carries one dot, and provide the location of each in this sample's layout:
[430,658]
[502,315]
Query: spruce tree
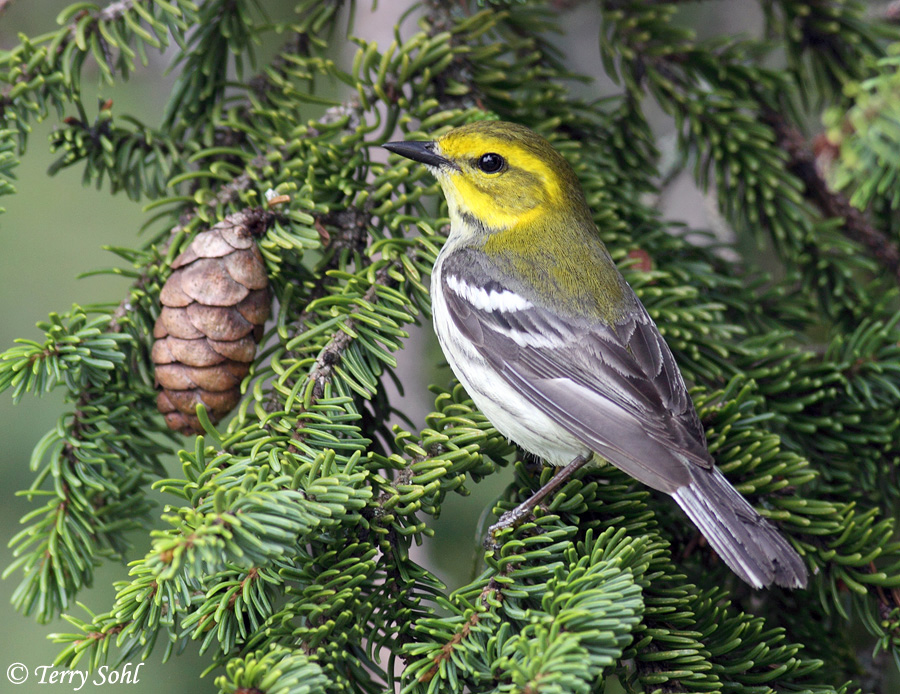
[288,526]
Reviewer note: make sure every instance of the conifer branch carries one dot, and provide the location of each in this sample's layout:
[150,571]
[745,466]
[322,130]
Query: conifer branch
[83,24]
[330,356]
[446,651]
[835,205]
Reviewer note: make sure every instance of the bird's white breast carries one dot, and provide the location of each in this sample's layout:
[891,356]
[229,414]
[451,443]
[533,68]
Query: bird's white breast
[510,413]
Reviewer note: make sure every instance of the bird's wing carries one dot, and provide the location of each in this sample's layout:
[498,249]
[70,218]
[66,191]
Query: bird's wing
[616,388]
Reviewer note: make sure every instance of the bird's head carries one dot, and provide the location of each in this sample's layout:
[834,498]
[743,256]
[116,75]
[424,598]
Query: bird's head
[500,175]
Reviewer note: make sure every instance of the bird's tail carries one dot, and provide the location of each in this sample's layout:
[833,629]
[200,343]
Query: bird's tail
[748,543]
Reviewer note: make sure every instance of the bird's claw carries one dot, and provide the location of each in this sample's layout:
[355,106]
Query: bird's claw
[525,511]
[510,519]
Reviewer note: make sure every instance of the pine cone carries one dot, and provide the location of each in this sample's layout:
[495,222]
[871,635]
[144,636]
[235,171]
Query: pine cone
[214,306]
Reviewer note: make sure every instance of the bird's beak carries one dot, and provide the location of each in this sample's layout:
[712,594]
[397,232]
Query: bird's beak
[422,151]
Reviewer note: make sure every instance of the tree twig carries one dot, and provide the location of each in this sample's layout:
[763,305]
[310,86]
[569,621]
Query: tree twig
[802,163]
[332,354]
[110,13]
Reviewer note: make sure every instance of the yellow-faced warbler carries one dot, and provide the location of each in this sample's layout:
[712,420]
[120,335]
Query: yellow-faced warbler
[554,347]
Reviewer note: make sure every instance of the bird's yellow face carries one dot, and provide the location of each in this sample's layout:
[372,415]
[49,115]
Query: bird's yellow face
[499,179]
[501,175]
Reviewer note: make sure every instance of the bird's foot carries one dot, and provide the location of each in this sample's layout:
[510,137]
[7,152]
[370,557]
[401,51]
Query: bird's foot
[511,519]
[525,511]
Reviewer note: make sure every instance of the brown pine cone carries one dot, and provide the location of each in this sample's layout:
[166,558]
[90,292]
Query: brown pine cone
[214,306]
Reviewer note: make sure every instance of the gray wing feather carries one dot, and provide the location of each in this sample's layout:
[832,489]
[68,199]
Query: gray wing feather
[617,388]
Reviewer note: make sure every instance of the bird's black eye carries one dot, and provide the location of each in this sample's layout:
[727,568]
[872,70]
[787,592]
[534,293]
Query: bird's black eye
[490,162]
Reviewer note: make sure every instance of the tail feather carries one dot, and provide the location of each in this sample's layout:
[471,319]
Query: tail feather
[748,543]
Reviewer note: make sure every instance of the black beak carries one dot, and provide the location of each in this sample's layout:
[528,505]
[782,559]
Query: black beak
[419,150]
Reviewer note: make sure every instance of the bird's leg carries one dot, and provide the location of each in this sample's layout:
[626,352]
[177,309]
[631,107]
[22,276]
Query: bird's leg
[525,510]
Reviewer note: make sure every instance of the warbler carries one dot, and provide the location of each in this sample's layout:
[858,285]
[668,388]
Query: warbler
[555,348]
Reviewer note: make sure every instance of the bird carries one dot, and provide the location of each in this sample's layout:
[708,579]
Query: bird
[555,348]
